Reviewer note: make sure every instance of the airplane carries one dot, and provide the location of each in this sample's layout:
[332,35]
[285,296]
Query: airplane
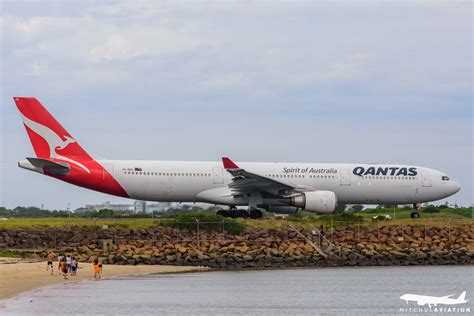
[434,300]
[275,187]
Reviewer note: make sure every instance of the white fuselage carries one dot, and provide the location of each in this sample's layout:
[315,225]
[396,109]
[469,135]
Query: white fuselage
[194,181]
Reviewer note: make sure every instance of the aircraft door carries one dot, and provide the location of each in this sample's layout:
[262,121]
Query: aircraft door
[217,175]
[425,175]
[345,177]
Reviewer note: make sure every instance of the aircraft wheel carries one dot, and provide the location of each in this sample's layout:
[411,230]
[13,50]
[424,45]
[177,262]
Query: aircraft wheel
[254,214]
[242,213]
[232,213]
[223,213]
[415,214]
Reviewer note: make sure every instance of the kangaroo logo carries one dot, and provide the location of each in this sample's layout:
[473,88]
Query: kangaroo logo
[54,141]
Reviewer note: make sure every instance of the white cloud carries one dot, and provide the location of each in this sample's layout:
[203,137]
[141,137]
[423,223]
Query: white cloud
[227,81]
[115,47]
[323,69]
[35,69]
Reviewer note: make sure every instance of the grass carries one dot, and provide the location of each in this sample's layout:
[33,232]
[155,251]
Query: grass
[405,214]
[448,217]
[9,254]
[48,222]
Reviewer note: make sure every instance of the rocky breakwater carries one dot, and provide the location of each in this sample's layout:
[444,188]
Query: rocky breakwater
[345,246]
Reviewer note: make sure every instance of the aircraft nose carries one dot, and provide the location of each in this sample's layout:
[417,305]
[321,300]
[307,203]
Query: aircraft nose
[455,187]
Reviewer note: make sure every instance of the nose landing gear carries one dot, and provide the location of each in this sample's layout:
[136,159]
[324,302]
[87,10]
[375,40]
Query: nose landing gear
[415,213]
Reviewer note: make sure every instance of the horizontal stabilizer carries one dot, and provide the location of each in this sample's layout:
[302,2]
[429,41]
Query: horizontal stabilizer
[59,168]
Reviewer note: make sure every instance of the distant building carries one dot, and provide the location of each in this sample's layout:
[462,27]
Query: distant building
[159,206]
[109,206]
[139,206]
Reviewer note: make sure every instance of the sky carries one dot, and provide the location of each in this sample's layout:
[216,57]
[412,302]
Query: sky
[321,81]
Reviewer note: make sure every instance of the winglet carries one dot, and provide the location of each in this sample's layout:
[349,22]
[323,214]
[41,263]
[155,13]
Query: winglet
[229,164]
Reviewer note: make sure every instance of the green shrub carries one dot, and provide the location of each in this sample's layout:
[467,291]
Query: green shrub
[430,209]
[466,212]
[205,222]
[343,217]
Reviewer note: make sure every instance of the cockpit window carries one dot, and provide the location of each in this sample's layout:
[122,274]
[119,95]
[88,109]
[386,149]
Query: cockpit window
[445,178]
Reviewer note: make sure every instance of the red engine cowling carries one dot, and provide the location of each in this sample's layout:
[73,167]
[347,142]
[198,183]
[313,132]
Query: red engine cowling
[316,201]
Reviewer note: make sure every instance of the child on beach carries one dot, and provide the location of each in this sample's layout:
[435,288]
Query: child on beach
[96,267]
[73,266]
[68,261]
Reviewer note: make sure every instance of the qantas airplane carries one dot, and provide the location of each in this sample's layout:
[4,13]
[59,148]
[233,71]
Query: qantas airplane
[275,187]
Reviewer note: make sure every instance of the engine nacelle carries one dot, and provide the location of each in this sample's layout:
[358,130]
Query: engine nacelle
[282,209]
[316,201]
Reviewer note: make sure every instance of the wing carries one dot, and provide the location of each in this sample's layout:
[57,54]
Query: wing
[245,182]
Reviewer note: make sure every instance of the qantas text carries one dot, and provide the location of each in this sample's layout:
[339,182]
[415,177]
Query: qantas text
[385,171]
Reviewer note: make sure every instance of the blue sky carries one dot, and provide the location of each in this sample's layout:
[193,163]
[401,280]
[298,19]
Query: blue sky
[358,81]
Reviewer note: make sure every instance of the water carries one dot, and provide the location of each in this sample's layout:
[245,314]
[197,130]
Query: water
[325,291]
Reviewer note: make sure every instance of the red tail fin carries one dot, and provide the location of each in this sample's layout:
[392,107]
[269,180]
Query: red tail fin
[49,139]
[54,145]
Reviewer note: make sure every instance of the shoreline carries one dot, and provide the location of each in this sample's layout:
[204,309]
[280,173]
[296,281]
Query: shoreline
[18,286]
[23,277]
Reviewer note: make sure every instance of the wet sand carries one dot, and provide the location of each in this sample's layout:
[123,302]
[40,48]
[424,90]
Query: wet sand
[19,277]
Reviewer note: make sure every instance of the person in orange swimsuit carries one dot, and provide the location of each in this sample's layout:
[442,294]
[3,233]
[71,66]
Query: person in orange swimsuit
[96,268]
[64,269]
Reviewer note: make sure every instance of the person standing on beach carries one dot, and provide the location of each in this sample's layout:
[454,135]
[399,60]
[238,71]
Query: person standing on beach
[96,268]
[68,261]
[73,266]
[60,259]
[49,264]
[64,267]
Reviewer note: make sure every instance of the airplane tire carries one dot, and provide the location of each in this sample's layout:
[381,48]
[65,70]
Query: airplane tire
[242,213]
[255,214]
[233,213]
[415,214]
[223,213]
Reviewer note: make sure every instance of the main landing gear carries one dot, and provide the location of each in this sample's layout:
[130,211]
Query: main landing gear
[415,213]
[236,213]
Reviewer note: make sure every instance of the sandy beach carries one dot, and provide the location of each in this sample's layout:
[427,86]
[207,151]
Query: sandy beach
[19,277]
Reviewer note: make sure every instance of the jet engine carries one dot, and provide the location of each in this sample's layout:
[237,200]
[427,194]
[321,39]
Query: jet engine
[315,201]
